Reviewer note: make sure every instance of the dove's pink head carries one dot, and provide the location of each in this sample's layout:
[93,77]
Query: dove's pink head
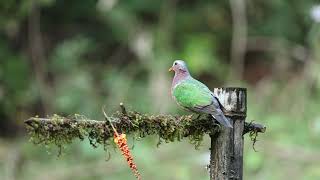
[181,71]
[179,67]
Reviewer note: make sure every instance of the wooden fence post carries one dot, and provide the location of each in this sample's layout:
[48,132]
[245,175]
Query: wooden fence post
[226,156]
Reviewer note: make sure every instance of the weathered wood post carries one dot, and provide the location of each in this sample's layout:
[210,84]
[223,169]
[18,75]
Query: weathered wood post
[226,157]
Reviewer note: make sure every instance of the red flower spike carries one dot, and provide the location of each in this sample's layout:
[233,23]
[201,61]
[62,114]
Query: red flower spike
[121,141]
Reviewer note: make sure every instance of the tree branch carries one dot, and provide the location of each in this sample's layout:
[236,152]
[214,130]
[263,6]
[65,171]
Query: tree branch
[60,130]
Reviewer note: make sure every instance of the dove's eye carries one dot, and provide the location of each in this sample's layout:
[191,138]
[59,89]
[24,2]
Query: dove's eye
[175,63]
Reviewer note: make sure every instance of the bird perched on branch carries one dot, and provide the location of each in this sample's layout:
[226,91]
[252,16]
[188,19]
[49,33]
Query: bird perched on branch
[193,95]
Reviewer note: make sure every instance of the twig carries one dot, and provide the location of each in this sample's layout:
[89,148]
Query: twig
[254,127]
[123,109]
[107,118]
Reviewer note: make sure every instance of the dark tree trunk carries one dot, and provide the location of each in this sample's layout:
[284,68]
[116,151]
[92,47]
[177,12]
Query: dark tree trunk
[226,160]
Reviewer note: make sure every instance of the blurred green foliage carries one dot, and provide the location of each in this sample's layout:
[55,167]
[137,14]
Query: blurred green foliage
[70,57]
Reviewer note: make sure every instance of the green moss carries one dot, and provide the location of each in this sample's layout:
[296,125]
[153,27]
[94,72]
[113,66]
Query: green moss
[60,131]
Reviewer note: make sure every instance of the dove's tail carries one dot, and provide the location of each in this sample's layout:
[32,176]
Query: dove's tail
[222,119]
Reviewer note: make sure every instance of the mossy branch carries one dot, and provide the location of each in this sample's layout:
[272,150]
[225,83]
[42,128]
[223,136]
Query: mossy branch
[60,130]
[253,127]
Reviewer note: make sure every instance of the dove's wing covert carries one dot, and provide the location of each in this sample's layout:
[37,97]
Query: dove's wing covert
[191,94]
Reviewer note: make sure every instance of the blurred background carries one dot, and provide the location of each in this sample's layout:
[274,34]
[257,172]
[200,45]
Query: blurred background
[70,57]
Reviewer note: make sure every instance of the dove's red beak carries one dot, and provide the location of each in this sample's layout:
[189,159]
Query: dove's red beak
[170,69]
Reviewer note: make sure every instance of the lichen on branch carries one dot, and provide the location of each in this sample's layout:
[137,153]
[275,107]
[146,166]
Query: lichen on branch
[60,130]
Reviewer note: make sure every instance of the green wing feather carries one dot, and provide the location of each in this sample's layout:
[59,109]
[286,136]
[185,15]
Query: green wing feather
[191,93]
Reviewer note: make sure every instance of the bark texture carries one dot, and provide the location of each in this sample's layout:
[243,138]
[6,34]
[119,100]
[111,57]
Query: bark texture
[227,146]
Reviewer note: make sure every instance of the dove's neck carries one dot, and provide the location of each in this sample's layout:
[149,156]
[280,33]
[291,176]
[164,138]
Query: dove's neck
[180,76]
